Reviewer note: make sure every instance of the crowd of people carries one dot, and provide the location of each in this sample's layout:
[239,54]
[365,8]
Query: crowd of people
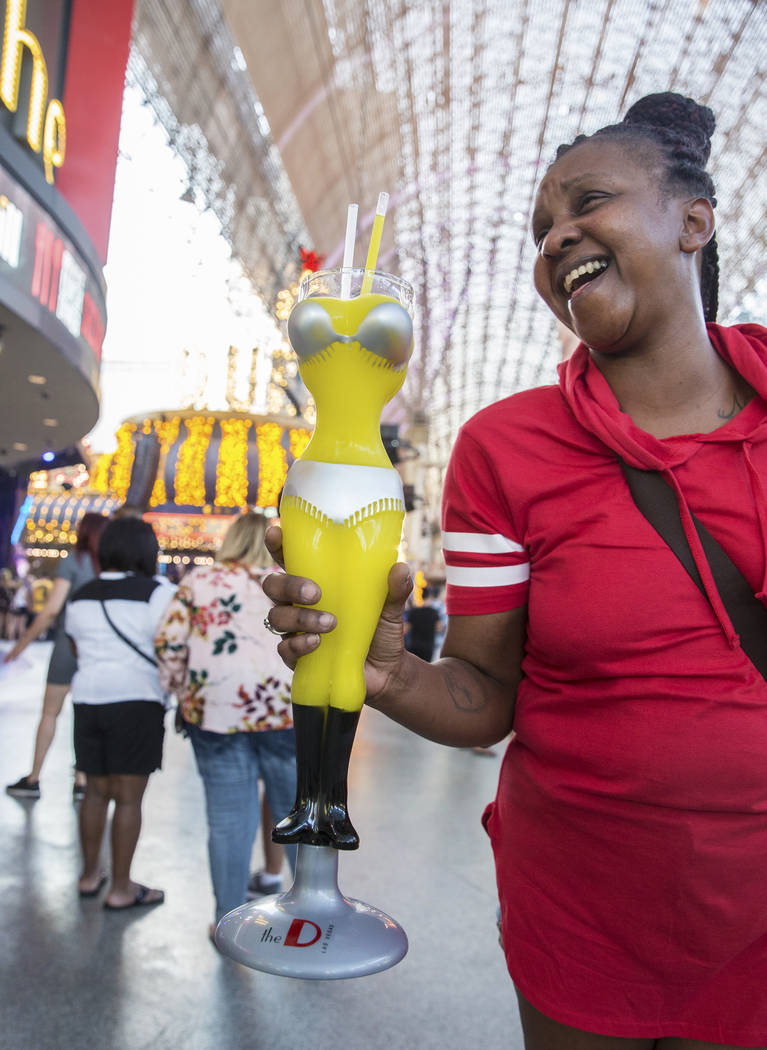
[126,643]
[21,597]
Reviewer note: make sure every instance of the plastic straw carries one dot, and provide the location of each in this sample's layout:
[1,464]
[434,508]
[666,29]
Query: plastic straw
[375,242]
[351,237]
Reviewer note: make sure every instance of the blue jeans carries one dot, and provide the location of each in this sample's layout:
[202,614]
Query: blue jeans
[231,765]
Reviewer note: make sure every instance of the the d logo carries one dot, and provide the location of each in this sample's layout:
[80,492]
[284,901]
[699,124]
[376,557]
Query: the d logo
[295,931]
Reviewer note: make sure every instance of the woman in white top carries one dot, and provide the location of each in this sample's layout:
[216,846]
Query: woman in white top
[118,702]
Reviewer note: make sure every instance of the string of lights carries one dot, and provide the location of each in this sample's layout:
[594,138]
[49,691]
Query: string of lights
[457,109]
[122,461]
[190,466]
[232,468]
[167,432]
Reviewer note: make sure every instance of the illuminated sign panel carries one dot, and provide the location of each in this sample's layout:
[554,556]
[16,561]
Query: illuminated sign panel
[71,299]
[45,120]
[41,263]
[11,224]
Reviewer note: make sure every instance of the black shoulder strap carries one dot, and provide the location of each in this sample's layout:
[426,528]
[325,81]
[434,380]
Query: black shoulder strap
[657,501]
[125,639]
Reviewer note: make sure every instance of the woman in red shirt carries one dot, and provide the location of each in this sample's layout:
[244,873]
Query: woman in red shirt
[630,824]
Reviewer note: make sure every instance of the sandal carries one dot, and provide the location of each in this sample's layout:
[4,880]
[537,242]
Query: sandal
[142,899]
[103,880]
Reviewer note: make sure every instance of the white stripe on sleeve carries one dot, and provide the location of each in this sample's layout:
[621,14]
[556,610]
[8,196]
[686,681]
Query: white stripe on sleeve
[479,543]
[495,576]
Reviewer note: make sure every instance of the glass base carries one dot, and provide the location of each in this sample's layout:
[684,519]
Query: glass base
[312,931]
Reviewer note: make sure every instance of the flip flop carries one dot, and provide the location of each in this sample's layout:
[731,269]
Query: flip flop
[140,900]
[103,880]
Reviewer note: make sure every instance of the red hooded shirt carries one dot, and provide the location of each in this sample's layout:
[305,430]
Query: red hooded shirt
[630,825]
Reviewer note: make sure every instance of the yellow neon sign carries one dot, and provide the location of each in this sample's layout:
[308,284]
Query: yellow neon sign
[46,126]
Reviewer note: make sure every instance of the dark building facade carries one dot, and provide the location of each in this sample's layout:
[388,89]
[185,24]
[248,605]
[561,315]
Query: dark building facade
[62,69]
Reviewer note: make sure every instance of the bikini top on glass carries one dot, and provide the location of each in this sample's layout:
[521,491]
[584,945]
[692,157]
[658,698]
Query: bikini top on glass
[387,332]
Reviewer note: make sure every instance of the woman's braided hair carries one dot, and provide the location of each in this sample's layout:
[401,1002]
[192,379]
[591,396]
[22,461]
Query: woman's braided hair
[681,131]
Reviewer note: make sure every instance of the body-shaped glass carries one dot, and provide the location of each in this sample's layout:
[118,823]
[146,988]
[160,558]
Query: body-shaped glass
[342,510]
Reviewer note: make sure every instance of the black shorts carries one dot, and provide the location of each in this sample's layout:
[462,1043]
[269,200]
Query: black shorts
[121,738]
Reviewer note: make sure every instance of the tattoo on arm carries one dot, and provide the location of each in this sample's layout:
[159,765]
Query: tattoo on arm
[466,695]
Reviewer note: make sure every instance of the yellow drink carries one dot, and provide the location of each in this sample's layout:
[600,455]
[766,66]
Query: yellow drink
[342,526]
[351,565]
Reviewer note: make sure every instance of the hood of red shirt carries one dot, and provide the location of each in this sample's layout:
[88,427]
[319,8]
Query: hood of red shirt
[596,408]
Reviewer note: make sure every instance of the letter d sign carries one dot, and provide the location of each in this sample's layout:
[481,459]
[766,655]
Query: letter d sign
[295,931]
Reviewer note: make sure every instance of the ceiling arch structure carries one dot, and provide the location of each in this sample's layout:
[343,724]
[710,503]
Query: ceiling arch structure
[455,107]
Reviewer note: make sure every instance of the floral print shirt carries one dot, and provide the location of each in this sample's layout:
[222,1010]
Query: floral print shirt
[216,655]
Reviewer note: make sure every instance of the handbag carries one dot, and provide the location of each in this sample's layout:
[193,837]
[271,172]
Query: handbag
[657,501]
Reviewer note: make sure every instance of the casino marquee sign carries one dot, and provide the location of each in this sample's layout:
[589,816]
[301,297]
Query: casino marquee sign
[45,270]
[42,118]
[62,68]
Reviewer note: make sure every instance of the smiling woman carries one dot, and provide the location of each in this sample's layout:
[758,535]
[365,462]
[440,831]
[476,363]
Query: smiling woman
[630,824]
[605,234]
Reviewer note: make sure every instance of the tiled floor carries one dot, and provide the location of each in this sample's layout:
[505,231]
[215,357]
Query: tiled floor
[73,976]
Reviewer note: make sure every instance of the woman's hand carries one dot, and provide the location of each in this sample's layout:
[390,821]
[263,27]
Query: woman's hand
[304,627]
[54,603]
[17,649]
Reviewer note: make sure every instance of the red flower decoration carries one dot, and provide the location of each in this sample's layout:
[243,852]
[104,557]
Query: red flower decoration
[311,260]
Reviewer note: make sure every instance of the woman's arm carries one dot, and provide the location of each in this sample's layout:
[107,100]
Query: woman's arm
[467,697]
[171,637]
[464,699]
[54,603]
